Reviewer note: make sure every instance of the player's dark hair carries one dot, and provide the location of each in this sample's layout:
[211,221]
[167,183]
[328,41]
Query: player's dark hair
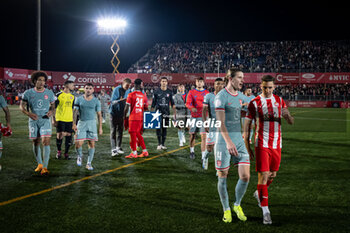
[68,82]
[89,84]
[231,73]
[127,80]
[200,78]
[36,74]
[163,78]
[268,78]
[138,82]
[218,80]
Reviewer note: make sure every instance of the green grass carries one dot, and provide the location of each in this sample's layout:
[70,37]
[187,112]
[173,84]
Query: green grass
[172,193]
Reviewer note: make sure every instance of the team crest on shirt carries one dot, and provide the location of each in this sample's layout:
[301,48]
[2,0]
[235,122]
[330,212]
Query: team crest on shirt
[276,104]
[71,97]
[167,95]
[218,163]
[46,97]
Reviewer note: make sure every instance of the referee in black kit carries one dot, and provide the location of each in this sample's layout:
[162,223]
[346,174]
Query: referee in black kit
[161,99]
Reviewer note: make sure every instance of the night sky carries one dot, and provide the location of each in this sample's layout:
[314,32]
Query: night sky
[70,41]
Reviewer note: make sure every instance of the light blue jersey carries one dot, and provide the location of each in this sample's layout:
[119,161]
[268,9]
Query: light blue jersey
[209,100]
[87,108]
[3,103]
[247,99]
[39,102]
[232,105]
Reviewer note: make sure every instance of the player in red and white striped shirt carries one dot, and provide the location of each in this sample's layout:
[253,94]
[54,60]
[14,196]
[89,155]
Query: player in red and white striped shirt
[267,109]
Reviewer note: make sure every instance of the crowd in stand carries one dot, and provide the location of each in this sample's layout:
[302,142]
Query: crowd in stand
[283,56]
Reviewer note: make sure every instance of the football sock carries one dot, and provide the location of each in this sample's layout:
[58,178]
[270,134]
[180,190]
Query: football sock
[37,154]
[222,189]
[140,141]
[159,136]
[91,152]
[265,209]
[263,195]
[241,187]
[79,151]
[192,149]
[251,134]
[68,143]
[46,156]
[164,136]
[179,134]
[59,144]
[204,154]
[269,182]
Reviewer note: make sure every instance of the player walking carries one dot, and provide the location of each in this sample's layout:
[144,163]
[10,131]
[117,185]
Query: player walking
[87,105]
[229,143]
[268,110]
[161,99]
[181,112]
[194,103]
[137,103]
[63,119]
[209,110]
[4,107]
[41,103]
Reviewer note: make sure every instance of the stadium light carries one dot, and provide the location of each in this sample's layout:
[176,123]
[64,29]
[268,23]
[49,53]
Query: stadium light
[113,27]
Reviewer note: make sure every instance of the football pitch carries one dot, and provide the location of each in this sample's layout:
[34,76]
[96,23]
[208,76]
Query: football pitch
[169,192]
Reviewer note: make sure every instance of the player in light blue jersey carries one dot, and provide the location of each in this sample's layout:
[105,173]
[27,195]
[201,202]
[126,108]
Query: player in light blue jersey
[87,106]
[4,107]
[248,96]
[41,103]
[209,111]
[229,143]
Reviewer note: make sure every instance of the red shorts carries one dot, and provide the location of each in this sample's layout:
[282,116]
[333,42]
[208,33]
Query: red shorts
[267,159]
[135,126]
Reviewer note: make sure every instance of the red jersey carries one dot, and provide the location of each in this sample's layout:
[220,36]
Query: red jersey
[195,99]
[138,103]
[269,114]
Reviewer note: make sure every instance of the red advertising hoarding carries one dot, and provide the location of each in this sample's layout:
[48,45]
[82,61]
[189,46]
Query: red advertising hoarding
[16,74]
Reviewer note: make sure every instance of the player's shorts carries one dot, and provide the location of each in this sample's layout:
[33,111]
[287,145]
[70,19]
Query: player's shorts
[211,136]
[135,126]
[63,126]
[40,128]
[87,130]
[194,128]
[267,159]
[223,157]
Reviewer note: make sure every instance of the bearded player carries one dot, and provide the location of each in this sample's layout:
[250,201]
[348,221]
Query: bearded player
[137,103]
[268,110]
[229,143]
[209,111]
[41,103]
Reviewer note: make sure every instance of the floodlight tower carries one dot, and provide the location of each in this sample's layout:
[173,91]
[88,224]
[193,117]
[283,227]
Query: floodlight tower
[113,27]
